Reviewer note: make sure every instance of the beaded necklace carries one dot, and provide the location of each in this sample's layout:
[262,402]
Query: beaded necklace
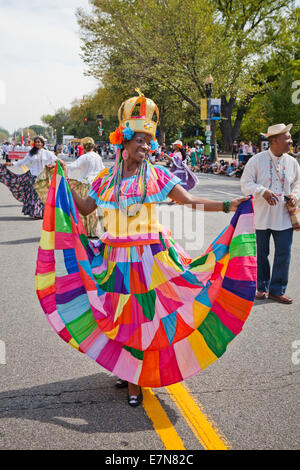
[140,180]
[281,179]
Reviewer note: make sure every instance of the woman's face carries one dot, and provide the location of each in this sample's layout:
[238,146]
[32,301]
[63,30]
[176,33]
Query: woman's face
[38,143]
[138,147]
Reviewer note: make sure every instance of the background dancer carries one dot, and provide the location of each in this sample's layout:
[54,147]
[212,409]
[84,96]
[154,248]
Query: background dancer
[89,165]
[22,186]
[180,168]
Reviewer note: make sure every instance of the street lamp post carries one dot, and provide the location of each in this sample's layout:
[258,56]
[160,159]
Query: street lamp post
[208,92]
[63,129]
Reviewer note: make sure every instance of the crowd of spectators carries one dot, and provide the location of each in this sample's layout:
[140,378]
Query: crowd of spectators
[222,167]
[199,163]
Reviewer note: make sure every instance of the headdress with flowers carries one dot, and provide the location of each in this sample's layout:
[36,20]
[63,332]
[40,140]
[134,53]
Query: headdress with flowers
[129,125]
[120,134]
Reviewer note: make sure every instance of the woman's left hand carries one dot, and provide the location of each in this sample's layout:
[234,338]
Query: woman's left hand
[234,204]
[64,167]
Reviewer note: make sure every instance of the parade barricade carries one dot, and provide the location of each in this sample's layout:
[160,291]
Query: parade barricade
[17,155]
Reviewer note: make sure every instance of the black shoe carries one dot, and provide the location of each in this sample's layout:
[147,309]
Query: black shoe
[134,400]
[121,383]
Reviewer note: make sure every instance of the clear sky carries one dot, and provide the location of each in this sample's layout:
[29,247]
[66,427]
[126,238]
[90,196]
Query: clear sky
[40,67]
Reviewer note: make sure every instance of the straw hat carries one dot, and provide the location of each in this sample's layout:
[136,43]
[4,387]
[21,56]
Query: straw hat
[277,129]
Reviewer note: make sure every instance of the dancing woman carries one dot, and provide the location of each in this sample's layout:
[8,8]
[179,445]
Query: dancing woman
[180,168]
[134,301]
[88,166]
[22,186]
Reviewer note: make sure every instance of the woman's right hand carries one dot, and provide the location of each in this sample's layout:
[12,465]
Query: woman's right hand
[270,197]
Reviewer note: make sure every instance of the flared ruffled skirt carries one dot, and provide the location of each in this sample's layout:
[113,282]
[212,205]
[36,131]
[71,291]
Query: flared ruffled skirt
[188,179]
[149,314]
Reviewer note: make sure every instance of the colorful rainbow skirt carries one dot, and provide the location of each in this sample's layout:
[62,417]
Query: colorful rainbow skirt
[149,314]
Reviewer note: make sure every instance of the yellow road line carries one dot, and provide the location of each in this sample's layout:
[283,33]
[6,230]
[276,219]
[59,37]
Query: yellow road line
[161,422]
[205,431]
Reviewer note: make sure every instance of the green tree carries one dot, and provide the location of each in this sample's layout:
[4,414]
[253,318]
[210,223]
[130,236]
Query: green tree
[57,121]
[4,134]
[279,101]
[124,63]
[37,129]
[175,44]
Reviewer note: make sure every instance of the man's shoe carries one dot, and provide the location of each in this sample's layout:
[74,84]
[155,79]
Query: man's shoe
[260,295]
[283,299]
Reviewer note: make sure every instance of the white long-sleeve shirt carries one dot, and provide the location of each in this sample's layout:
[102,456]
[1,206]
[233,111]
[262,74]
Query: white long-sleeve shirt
[36,163]
[255,180]
[90,165]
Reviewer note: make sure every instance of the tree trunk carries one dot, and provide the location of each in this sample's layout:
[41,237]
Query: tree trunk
[238,122]
[162,127]
[225,124]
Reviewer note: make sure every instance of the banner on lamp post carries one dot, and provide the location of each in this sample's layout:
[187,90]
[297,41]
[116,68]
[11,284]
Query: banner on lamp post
[207,149]
[204,109]
[215,109]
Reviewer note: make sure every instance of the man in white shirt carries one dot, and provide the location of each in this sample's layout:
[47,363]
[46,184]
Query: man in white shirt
[270,176]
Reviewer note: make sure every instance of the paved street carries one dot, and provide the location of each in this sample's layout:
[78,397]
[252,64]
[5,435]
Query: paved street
[53,397]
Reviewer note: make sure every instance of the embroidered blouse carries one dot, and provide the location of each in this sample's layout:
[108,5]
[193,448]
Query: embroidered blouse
[90,164]
[144,228]
[36,163]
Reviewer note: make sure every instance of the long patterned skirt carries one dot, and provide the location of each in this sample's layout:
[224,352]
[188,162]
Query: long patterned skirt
[149,314]
[22,188]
